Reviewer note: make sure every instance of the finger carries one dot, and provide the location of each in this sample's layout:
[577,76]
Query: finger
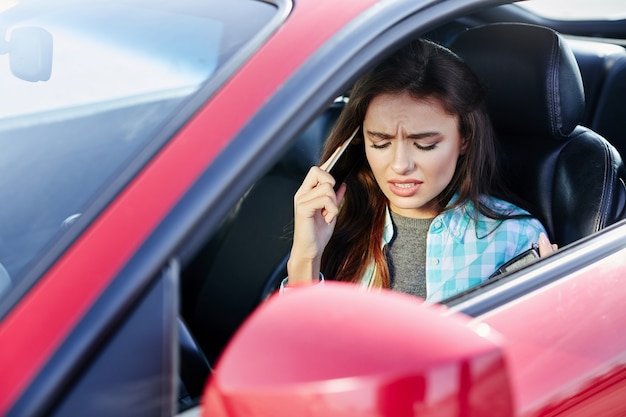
[322,198]
[321,190]
[545,247]
[330,216]
[330,213]
[315,177]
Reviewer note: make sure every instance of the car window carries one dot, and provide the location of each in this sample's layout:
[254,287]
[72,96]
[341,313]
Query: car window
[577,9]
[88,84]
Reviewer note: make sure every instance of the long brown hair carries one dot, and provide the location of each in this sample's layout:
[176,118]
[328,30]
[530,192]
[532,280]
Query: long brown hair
[425,70]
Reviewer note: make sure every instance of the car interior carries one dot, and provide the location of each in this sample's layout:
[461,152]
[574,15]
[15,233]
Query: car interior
[569,175]
[556,103]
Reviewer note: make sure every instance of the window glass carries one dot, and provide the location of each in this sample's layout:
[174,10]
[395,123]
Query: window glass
[577,9]
[87,84]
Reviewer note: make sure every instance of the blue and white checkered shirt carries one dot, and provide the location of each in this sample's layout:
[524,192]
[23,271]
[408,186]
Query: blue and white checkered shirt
[462,252]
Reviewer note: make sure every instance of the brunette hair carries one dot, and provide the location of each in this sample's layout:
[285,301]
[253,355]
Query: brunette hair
[425,70]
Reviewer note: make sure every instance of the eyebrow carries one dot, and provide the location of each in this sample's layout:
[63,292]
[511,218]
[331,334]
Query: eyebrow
[417,136]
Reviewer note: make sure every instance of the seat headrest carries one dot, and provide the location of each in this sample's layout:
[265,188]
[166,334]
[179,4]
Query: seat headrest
[533,82]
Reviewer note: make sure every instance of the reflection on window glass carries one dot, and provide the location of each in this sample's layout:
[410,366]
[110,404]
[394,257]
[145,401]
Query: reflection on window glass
[577,9]
[86,85]
[91,56]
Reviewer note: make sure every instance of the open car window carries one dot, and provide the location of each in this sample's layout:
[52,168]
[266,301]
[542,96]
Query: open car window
[260,225]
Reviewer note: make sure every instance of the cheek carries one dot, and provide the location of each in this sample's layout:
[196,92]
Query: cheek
[440,165]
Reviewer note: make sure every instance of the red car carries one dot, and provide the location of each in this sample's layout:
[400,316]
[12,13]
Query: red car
[150,152]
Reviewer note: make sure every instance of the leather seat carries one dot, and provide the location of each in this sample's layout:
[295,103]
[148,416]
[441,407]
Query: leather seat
[594,60]
[570,176]
[610,113]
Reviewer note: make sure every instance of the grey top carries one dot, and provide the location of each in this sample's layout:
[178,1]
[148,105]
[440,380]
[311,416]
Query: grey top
[406,255]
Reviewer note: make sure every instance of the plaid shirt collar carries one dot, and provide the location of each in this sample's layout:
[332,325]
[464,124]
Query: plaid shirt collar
[455,220]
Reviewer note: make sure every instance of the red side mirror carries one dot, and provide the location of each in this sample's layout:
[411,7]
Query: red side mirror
[334,350]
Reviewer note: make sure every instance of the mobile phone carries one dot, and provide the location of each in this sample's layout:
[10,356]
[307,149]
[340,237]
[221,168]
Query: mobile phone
[525,258]
[345,160]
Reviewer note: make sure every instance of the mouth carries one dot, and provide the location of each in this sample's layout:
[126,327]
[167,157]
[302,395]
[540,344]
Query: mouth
[405,188]
[404,184]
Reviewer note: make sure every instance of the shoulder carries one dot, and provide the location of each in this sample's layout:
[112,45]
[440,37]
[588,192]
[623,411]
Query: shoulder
[497,205]
[502,207]
[521,221]
[508,218]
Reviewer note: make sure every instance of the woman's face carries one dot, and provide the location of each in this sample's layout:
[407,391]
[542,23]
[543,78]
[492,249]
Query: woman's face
[412,147]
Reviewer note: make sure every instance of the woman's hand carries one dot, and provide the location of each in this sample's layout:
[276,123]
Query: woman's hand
[545,247]
[316,206]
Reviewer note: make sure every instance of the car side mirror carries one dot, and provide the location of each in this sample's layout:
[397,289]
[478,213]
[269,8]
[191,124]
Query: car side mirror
[335,350]
[30,53]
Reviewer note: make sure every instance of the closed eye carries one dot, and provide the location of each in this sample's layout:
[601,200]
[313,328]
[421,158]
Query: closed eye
[425,148]
[381,145]
[417,145]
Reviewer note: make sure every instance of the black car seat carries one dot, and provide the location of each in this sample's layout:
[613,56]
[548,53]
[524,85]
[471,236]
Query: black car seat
[570,176]
[610,112]
[594,61]
[224,283]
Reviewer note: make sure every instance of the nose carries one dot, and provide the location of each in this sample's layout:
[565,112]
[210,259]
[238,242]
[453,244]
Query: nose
[402,162]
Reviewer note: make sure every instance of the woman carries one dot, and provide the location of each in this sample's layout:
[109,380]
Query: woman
[424,213]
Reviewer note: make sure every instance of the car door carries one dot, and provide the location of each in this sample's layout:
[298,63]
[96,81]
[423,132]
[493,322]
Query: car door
[560,320]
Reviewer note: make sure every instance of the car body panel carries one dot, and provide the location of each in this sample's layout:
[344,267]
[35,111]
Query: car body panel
[557,350]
